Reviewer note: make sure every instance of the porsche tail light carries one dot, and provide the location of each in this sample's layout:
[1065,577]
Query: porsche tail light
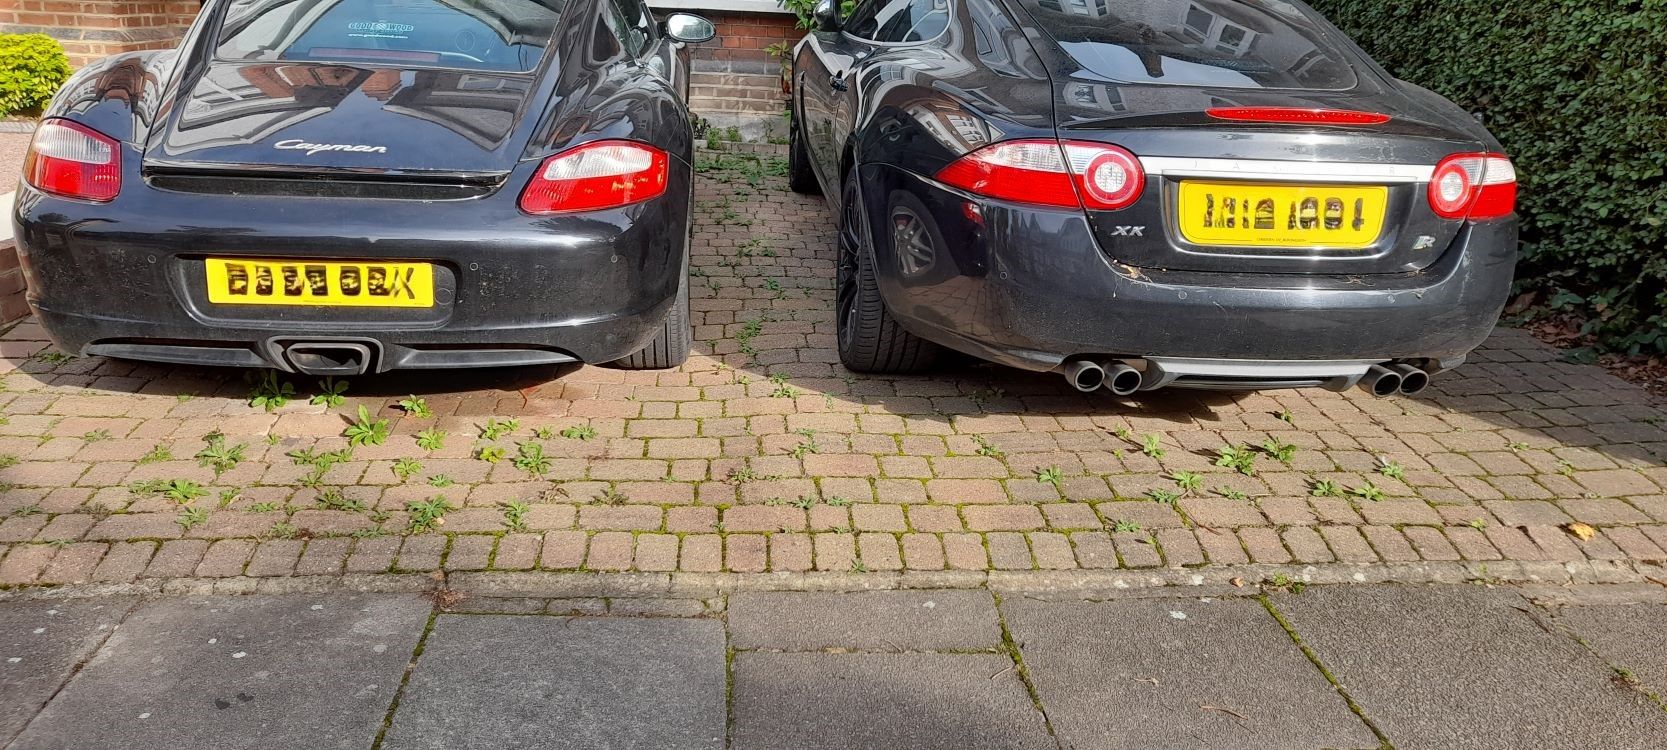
[1474,186]
[1297,115]
[596,175]
[71,160]
[1062,174]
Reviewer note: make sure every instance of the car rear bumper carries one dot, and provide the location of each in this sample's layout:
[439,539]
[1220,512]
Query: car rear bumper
[1030,288]
[128,278]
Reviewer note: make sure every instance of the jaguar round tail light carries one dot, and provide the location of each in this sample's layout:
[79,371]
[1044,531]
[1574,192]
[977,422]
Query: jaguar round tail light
[71,160]
[596,175]
[1474,186]
[1061,174]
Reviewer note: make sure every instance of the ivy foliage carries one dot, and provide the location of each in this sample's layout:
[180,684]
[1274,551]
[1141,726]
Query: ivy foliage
[32,67]
[1576,90]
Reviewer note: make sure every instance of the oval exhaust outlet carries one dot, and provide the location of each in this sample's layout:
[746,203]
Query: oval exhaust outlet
[1381,381]
[1413,379]
[1084,375]
[1122,379]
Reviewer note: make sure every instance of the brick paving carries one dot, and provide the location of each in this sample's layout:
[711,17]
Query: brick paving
[762,454]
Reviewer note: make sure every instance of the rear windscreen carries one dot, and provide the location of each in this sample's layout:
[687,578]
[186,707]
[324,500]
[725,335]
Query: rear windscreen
[495,35]
[1251,44]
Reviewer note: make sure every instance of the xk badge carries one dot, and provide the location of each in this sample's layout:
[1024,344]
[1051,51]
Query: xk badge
[1128,231]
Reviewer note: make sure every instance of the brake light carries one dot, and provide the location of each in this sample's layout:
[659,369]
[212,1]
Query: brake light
[1068,174]
[1474,186]
[596,175]
[1297,115]
[71,160]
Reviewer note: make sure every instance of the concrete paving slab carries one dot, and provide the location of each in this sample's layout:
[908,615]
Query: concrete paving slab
[870,620]
[879,701]
[41,643]
[1631,637]
[505,682]
[1467,668]
[1145,673]
[305,672]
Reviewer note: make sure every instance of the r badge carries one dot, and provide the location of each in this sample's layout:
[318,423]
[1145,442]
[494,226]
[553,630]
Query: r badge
[1424,242]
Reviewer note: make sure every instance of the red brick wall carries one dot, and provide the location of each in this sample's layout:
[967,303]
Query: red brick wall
[91,29]
[743,36]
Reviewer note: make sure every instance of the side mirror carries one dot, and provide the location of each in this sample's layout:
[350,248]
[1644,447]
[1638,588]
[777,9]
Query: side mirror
[826,15]
[689,28]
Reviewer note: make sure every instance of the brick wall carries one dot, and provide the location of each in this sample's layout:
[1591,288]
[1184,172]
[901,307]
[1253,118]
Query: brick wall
[742,37]
[91,29]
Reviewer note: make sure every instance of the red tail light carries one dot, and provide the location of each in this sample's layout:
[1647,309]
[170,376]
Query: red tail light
[1297,115]
[1068,174]
[596,175]
[71,160]
[1474,186]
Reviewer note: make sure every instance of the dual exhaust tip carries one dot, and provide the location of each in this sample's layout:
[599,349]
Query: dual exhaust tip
[1116,377]
[1381,380]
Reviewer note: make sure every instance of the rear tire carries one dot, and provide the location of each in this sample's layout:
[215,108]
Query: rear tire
[670,347]
[869,339]
[800,178]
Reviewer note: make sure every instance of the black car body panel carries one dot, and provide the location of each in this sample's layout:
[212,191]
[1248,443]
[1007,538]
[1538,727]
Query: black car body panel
[1036,287]
[209,168]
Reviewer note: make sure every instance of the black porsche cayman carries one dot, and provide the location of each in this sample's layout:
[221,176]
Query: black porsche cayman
[1147,193]
[347,186]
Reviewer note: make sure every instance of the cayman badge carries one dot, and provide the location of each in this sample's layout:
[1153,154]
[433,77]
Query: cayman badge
[296,144]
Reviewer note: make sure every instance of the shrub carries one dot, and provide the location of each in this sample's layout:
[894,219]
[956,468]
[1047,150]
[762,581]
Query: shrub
[32,67]
[1575,91]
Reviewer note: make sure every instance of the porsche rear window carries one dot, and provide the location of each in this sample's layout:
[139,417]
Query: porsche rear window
[491,35]
[1247,44]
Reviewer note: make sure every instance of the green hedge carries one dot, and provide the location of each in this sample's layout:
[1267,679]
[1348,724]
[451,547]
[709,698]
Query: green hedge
[32,67]
[1577,92]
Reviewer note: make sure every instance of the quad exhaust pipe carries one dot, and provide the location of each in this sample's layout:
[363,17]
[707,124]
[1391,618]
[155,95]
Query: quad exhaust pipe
[1117,377]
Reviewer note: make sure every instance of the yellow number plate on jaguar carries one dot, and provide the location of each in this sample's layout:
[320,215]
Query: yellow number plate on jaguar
[319,283]
[1238,214]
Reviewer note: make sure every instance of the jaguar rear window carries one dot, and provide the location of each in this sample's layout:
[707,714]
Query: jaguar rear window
[1250,44]
[489,35]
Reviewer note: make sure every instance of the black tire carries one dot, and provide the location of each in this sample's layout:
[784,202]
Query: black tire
[670,347]
[800,178]
[869,339]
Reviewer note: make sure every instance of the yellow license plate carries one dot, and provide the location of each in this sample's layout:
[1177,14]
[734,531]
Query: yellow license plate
[1238,214]
[319,283]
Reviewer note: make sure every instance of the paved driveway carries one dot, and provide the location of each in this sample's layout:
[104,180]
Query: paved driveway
[762,454]
[1409,667]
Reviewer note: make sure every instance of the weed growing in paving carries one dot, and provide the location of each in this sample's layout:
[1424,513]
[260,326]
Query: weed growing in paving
[427,515]
[270,393]
[741,475]
[805,446]
[220,455]
[783,389]
[1391,468]
[189,517]
[1367,491]
[283,530]
[366,431]
[431,439]
[1231,493]
[1188,481]
[1162,496]
[1125,527]
[96,436]
[1238,458]
[333,499]
[530,458]
[1280,450]
[440,480]
[491,453]
[986,449]
[612,496]
[181,491]
[1287,417]
[497,428]
[579,432]
[1152,445]
[1325,488]
[266,507]
[331,393]
[227,497]
[515,514]
[1051,475]
[545,433]
[416,407]
[7,460]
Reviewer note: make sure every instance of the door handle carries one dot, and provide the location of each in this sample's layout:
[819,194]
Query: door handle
[837,82]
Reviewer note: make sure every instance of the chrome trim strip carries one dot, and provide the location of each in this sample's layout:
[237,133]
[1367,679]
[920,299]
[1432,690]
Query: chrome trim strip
[1286,171]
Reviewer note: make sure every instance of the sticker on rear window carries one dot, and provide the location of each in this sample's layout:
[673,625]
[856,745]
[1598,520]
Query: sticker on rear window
[380,29]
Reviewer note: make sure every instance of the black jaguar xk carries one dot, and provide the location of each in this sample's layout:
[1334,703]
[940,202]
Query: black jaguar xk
[345,186]
[1147,193]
